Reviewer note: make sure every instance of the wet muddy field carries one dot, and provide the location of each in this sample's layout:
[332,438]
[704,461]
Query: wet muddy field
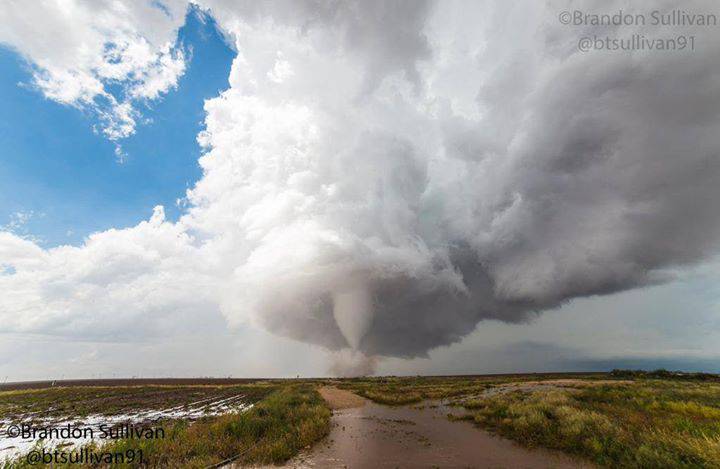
[97,410]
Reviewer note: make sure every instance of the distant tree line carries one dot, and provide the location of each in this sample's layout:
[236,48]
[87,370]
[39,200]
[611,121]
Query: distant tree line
[662,373]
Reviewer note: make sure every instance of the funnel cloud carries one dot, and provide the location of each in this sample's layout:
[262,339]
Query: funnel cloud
[381,177]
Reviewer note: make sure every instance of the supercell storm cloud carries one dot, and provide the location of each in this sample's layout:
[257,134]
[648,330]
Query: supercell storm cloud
[383,176]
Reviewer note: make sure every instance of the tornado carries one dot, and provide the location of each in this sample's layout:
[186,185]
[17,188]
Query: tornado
[353,313]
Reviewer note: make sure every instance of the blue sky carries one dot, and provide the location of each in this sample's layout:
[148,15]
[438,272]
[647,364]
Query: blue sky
[57,168]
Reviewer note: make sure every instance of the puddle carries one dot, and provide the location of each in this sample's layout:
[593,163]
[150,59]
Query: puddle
[376,436]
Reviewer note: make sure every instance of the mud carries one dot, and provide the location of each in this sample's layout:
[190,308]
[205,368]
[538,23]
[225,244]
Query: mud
[341,399]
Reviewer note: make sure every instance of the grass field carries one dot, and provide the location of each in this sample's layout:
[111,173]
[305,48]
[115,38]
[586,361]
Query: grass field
[651,423]
[623,419]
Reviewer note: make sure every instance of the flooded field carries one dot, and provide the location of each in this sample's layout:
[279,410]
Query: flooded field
[74,416]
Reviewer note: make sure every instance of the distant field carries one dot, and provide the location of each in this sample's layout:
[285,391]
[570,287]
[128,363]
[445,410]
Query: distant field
[623,419]
[125,382]
[58,402]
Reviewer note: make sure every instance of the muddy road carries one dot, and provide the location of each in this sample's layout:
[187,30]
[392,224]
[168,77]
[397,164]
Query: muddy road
[369,435]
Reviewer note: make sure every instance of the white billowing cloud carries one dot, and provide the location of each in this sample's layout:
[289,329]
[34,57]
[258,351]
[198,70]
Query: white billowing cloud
[103,55]
[144,280]
[383,176]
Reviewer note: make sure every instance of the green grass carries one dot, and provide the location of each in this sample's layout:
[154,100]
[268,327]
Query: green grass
[273,431]
[650,423]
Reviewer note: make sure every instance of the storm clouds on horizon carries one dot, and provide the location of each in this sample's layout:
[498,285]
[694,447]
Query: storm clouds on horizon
[380,177]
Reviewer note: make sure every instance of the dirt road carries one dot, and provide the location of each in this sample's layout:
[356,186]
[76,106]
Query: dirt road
[341,399]
[368,435]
